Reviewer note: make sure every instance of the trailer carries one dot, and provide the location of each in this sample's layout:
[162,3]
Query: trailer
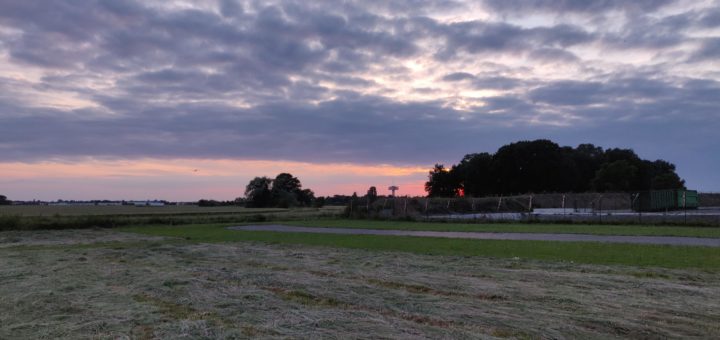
[665,200]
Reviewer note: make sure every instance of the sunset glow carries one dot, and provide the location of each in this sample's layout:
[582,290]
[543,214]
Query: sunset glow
[198,178]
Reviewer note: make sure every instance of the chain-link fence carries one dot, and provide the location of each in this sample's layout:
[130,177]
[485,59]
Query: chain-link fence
[582,207]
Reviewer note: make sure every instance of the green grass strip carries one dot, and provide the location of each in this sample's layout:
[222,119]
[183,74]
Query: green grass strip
[629,230]
[578,252]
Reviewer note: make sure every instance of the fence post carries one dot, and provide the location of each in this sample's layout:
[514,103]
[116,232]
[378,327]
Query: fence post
[530,208]
[473,210]
[448,209]
[684,207]
[498,208]
[636,198]
[395,207]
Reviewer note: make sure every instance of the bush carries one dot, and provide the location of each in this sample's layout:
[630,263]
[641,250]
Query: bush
[9,222]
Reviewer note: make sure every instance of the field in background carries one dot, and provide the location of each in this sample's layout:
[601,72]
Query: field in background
[74,284]
[709,199]
[124,210]
[74,217]
[476,210]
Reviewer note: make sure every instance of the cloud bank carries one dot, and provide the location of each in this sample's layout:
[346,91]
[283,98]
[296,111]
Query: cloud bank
[363,82]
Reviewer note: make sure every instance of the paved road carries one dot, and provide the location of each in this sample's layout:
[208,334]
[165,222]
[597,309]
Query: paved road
[669,240]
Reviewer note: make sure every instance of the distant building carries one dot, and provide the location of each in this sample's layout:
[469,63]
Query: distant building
[109,203]
[148,203]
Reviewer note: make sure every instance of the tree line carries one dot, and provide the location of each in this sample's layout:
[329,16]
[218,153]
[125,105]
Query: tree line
[544,166]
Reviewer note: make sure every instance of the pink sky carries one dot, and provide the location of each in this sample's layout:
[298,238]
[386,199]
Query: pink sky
[177,179]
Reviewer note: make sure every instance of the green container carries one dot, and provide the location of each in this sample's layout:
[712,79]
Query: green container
[660,200]
[687,199]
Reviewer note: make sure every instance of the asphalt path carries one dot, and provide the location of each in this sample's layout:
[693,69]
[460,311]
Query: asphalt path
[667,240]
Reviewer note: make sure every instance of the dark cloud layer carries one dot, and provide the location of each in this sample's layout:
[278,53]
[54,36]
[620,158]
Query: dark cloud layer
[332,81]
[563,6]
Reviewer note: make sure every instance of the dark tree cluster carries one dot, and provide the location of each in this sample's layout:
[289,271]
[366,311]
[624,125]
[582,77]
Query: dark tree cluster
[372,194]
[4,200]
[284,191]
[338,200]
[543,166]
[214,203]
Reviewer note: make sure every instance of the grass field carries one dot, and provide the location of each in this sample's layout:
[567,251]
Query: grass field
[128,210]
[102,283]
[205,281]
[576,252]
[593,229]
[71,217]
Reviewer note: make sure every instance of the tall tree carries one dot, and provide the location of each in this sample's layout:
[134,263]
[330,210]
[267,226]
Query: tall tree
[587,158]
[257,193]
[441,183]
[372,194]
[286,190]
[286,182]
[532,166]
[663,176]
[616,176]
[473,172]
[4,200]
[306,197]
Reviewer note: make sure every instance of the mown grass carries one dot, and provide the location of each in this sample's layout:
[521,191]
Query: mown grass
[578,252]
[181,289]
[592,229]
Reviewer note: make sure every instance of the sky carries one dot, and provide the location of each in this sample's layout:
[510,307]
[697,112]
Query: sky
[182,100]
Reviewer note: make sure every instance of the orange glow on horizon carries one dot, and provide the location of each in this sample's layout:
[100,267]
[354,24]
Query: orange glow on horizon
[195,167]
[187,179]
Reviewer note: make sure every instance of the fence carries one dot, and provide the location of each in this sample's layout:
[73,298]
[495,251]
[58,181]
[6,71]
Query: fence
[584,207]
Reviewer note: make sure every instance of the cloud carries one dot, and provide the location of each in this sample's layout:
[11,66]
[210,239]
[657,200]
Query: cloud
[710,18]
[709,50]
[458,76]
[356,81]
[231,8]
[553,55]
[581,6]
[496,37]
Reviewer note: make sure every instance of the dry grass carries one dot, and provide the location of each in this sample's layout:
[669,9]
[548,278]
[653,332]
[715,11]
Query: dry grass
[94,210]
[148,288]
[69,237]
[79,217]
